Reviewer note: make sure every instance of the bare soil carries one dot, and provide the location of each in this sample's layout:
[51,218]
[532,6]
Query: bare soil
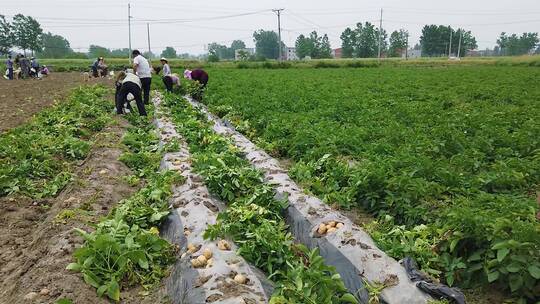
[37,239]
[21,99]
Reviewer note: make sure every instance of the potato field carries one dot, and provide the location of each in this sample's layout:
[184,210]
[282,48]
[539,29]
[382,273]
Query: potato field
[319,183]
[446,159]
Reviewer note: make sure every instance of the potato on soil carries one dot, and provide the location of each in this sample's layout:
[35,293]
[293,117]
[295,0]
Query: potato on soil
[331,230]
[332,224]
[339,225]
[322,229]
[224,245]
[195,263]
[202,259]
[240,279]
[207,253]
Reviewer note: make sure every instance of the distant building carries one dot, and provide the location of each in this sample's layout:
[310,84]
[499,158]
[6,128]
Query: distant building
[336,53]
[290,54]
[247,52]
[481,53]
[412,53]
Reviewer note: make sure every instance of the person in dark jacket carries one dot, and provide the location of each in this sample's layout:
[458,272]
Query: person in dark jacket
[197,75]
[9,67]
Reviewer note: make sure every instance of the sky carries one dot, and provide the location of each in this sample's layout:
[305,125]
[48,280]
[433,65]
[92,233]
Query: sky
[189,26]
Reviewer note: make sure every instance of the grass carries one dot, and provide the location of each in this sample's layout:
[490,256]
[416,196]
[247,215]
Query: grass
[63,65]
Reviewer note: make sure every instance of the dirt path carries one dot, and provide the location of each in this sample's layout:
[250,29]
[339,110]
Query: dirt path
[37,239]
[21,99]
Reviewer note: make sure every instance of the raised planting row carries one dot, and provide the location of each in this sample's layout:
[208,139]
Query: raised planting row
[207,271]
[448,159]
[253,218]
[37,159]
[342,244]
[125,249]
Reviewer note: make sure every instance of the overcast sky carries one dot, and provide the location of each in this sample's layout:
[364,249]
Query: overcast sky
[189,26]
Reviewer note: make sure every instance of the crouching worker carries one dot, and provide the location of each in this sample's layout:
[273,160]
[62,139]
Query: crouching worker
[197,75]
[127,83]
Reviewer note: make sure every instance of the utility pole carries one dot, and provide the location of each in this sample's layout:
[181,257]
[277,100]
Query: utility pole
[450,46]
[407,48]
[148,31]
[380,35]
[278,12]
[459,44]
[129,30]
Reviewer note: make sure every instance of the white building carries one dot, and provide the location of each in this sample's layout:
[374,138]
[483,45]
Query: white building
[290,54]
[238,54]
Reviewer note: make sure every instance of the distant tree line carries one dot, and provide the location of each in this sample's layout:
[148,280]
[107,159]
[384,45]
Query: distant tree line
[362,41]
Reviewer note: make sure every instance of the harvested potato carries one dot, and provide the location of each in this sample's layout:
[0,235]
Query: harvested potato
[322,229]
[209,263]
[202,259]
[240,279]
[332,223]
[223,245]
[331,230]
[339,225]
[195,263]
[207,253]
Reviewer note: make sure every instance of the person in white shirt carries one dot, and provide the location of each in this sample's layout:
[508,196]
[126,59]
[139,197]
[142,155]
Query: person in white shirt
[128,83]
[143,70]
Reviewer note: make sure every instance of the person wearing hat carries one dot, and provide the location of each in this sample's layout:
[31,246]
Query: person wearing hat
[128,83]
[197,75]
[143,70]
[169,79]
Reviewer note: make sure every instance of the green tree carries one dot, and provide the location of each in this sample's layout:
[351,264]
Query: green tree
[95,51]
[119,53]
[348,41]
[304,46]
[398,43]
[27,33]
[435,40]
[54,46]
[237,45]
[149,55]
[517,45]
[169,52]
[219,50]
[367,37]
[314,46]
[6,35]
[363,41]
[267,44]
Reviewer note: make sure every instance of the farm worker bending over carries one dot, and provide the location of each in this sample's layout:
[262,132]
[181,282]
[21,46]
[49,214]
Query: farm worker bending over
[95,67]
[169,79]
[128,83]
[34,67]
[9,68]
[197,75]
[142,68]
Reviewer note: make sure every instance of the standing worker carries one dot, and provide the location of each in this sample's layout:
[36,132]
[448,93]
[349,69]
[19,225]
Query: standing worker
[142,69]
[25,66]
[9,67]
[128,83]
